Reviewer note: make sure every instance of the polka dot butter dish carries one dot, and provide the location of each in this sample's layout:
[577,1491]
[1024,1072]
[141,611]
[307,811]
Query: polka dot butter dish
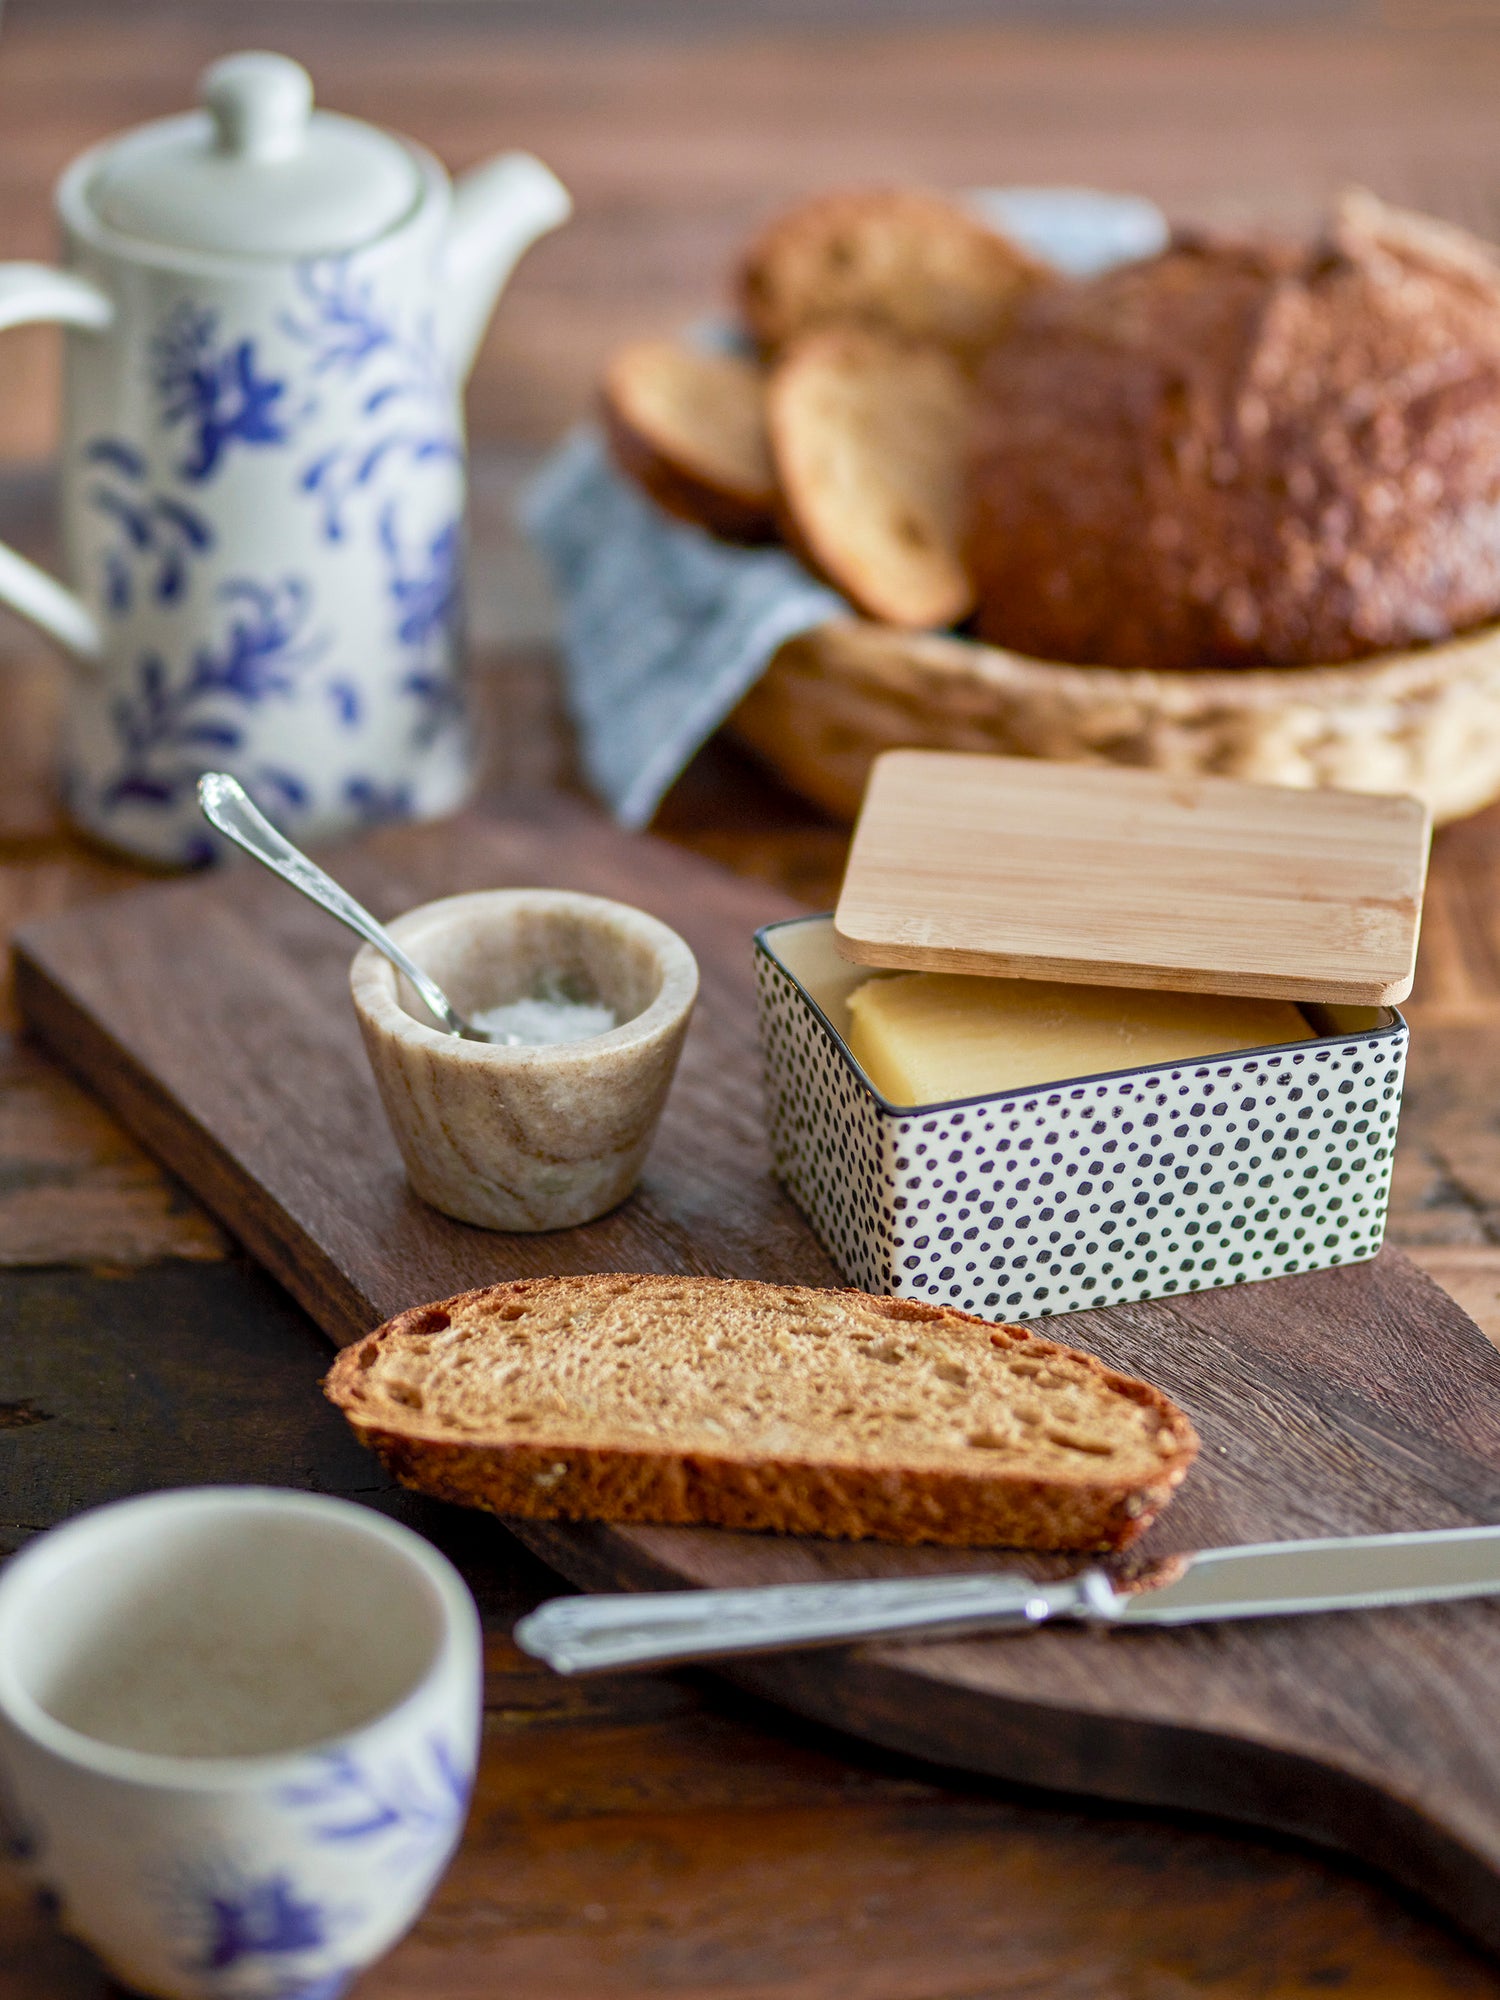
[1065,930]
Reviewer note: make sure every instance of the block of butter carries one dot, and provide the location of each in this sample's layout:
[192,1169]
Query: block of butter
[933,1037]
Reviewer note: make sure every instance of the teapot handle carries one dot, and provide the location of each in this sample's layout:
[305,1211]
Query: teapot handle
[28,293]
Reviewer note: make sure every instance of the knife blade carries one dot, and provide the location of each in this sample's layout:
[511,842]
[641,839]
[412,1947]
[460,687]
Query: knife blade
[1341,1573]
[580,1635]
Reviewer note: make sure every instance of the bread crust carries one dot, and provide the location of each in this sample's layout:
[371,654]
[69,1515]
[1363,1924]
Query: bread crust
[829,1496]
[681,492]
[898,261]
[1245,452]
[844,401]
[737,510]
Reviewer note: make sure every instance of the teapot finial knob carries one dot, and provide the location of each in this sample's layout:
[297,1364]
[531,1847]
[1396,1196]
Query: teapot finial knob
[260,104]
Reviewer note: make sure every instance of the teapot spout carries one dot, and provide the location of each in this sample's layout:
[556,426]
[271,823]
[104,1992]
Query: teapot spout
[499,211]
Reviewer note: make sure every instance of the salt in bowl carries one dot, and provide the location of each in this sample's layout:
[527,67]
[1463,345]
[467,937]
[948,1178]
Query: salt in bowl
[533,1137]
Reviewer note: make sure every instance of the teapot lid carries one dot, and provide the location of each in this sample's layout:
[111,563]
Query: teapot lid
[257,172]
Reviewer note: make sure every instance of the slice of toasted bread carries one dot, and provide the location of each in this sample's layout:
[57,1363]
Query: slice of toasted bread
[869,438]
[895,259]
[761,1406]
[690,427]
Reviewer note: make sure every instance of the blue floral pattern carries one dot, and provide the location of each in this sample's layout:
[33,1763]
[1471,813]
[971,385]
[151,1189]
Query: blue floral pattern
[425,588]
[347,701]
[345,410]
[253,1930]
[426,593]
[374,804]
[215,389]
[409,1813]
[263,1919]
[154,531]
[405,393]
[171,731]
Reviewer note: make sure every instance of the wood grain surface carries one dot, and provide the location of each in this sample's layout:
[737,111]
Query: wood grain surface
[656,1832]
[244,1070]
[1348,1401]
[662,1834]
[1036,870]
[649,1835]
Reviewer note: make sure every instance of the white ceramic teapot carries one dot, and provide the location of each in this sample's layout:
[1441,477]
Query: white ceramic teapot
[273,310]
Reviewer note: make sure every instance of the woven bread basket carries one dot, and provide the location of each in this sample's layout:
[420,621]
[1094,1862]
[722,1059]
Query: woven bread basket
[1425,722]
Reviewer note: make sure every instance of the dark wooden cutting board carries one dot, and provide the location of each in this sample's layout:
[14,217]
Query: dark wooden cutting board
[212,1014]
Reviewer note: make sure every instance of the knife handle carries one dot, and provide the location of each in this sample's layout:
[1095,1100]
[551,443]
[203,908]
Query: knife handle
[590,1635]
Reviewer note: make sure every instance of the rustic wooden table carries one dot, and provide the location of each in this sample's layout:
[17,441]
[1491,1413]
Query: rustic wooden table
[660,1834]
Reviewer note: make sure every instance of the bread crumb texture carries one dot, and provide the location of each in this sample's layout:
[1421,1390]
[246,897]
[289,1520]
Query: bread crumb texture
[869,439]
[895,260]
[762,1406]
[690,427]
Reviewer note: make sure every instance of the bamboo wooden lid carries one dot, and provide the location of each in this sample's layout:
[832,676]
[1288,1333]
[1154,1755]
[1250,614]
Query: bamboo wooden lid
[1088,873]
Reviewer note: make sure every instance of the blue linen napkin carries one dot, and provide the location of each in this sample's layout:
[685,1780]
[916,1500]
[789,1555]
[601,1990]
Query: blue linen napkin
[663,627]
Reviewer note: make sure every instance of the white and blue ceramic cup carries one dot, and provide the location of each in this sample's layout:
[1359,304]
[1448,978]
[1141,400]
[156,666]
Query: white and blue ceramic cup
[238,1734]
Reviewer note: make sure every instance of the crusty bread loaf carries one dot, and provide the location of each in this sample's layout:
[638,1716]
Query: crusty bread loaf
[1247,453]
[761,1407]
[893,259]
[869,438]
[690,427]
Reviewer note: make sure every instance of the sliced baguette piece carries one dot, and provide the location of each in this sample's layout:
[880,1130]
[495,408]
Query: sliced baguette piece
[898,260]
[757,1406]
[870,438]
[690,427]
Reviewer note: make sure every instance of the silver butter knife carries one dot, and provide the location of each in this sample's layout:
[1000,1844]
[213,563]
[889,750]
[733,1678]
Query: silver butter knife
[590,1635]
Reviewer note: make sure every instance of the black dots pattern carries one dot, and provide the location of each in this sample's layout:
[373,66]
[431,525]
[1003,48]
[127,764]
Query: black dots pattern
[1133,1187]
[828,1142]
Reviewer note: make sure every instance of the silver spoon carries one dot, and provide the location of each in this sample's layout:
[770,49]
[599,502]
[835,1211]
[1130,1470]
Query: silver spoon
[228,806]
